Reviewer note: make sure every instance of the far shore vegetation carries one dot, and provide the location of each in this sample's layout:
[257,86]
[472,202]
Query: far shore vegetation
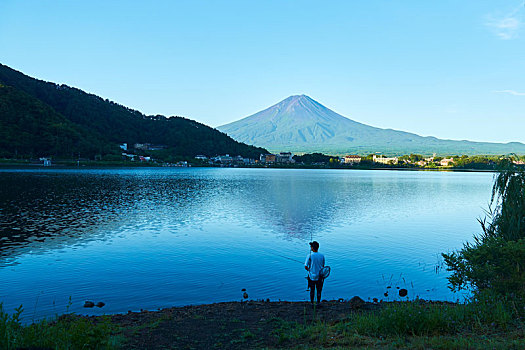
[163,158]
[491,267]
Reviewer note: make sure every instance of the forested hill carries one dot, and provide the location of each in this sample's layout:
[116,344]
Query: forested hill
[39,118]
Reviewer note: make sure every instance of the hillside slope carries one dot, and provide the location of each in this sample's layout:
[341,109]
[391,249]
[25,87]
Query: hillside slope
[300,124]
[29,127]
[105,124]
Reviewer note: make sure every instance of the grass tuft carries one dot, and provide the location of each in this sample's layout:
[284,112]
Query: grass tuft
[65,332]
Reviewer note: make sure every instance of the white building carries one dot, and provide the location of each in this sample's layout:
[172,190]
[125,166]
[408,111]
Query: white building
[226,159]
[45,161]
[351,159]
[446,162]
[385,160]
[284,157]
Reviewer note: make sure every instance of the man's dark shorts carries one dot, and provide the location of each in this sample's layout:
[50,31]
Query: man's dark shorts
[315,284]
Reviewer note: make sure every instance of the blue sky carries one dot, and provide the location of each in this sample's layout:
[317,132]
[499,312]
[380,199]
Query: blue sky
[450,69]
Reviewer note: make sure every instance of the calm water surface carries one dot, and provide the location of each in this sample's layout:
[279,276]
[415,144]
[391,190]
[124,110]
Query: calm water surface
[153,238]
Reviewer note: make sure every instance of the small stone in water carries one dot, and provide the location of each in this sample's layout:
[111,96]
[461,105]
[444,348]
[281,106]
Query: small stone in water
[100,304]
[403,292]
[89,304]
[245,295]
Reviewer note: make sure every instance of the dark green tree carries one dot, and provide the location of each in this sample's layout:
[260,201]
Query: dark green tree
[495,261]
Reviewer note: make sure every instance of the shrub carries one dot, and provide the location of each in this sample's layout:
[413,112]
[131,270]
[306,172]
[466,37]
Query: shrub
[66,332]
[495,262]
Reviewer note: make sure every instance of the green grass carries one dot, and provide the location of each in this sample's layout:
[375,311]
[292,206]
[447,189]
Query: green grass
[65,332]
[414,324]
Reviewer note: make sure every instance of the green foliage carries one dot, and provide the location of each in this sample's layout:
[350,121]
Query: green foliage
[495,265]
[66,332]
[408,324]
[495,262]
[10,328]
[508,194]
[30,128]
[475,162]
[416,319]
[42,118]
[416,157]
[313,158]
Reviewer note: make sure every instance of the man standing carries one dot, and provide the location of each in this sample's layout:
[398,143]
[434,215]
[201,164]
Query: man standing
[313,264]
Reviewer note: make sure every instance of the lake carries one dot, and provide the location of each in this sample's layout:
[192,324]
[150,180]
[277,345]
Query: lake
[149,238]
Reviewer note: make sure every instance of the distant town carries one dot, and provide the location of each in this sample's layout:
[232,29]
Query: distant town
[143,153]
[287,159]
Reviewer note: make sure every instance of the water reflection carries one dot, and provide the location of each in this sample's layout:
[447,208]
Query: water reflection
[121,235]
[40,211]
[43,211]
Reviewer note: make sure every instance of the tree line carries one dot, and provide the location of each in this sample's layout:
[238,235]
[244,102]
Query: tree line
[41,118]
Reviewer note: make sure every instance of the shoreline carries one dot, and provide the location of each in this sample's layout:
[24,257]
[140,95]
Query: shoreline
[153,166]
[287,324]
[258,324]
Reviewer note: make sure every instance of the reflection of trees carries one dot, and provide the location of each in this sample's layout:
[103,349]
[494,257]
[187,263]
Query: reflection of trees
[52,210]
[40,211]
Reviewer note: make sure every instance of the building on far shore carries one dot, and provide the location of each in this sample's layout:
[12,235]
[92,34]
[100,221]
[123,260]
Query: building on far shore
[281,158]
[129,156]
[352,159]
[267,158]
[226,159]
[384,160]
[45,161]
[284,157]
[446,162]
[149,147]
[430,159]
[270,158]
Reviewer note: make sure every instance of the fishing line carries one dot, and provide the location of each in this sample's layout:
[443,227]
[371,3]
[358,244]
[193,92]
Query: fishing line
[282,256]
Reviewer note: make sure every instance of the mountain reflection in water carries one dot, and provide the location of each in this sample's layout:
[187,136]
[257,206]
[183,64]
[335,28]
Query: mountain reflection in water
[148,238]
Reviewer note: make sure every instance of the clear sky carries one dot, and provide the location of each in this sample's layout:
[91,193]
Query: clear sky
[450,69]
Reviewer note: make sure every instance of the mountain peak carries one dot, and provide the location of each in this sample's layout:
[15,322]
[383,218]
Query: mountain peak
[303,98]
[300,124]
[302,107]
[295,99]
[296,118]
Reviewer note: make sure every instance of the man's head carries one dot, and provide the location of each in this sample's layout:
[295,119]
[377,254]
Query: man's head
[314,245]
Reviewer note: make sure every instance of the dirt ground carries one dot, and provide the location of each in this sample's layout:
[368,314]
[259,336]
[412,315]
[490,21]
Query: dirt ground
[231,325]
